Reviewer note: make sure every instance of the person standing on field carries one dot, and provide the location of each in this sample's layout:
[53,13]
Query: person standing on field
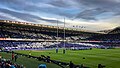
[16,56]
[12,55]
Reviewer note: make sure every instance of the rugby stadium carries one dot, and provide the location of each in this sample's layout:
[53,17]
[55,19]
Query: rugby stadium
[28,40]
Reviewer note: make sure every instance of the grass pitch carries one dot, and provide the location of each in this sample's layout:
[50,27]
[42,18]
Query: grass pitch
[28,62]
[108,57]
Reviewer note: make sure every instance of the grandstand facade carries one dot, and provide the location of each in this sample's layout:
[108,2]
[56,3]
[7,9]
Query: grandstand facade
[22,35]
[13,29]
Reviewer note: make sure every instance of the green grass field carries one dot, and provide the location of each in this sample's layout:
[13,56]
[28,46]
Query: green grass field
[108,57]
[28,62]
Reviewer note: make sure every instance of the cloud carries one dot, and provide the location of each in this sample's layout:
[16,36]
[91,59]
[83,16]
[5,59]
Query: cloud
[96,7]
[5,16]
[103,4]
[51,7]
[89,14]
[59,3]
[91,9]
[47,11]
[26,17]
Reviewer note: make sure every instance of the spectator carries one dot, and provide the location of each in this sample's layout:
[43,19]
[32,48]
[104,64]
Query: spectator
[42,66]
[56,50]
[16,56]
[71,64]
[29,54]
[63,51]
[100,66]
[12,56]
[81,66]
[0,57]
[12,66]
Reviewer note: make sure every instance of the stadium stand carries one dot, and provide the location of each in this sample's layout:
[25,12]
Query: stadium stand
[26,36]
[106,37]
[110,39]
[30,33]
[8,29]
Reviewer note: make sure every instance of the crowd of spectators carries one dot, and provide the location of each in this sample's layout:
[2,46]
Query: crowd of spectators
[17,45]
[8,33]
[6,63]
[24,34]
[106,37]
[12,45]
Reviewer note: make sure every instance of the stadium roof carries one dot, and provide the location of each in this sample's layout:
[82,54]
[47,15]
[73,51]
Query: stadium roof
[114,31]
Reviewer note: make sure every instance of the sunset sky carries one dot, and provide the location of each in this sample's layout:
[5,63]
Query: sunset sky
[94,15]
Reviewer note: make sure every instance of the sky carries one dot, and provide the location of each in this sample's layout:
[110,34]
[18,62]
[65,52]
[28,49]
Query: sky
[94,15]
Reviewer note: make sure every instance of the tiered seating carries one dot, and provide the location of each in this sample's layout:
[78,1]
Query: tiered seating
[33,35]
[106,37]
[11,45]
[23,34]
